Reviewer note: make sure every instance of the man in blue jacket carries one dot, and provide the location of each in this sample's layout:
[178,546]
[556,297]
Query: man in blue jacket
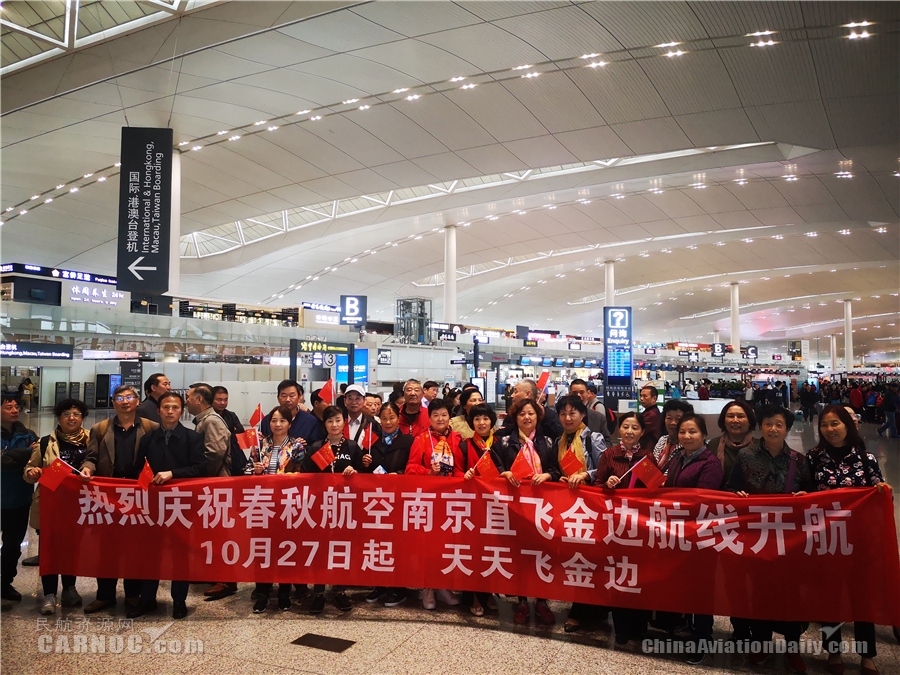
[15,493]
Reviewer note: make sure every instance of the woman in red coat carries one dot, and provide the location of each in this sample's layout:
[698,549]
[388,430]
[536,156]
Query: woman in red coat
[437,452]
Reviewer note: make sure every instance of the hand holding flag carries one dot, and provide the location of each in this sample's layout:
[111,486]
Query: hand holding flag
[542,381]
[327,392]
[648,474]
[256,417]
[53,476]
[324,457]
[485,467]
[146,477]
[570,464]
[248,440]
[521,469]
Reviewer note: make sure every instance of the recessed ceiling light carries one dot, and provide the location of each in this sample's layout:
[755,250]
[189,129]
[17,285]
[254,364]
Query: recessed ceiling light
[234,138]
[526,67]
[302,112]
[859,36]
[762,43]
[843,231]
[401,90]
[468,86]
[674,54]
[196,147]
[187,142]
[844,174]
[412,97]
[75,189]
[315,117]
[219,133]
[760,33]
[117,164]
[60,187]
[350,100]
[457,79]
[46,201]
[271,128]
[597,64]
[102,179]
[23,212]
[530,75]
[35,197]
[589,56]
[667,44]
[259,124]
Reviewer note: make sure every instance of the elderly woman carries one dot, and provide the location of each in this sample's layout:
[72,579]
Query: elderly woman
[67,442]
[737,422]
[673,410]
[467,400]
[540,455]
[841,460]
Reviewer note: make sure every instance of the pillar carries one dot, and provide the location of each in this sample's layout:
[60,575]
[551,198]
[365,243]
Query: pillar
[832,352]
[175,228]
[848,334]
[450,274]
[736,318]
[610,288]
[716,337]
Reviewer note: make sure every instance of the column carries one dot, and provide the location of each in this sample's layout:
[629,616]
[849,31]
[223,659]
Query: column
[450,274]
[716,337]
[175,227]
[832,352]
[610,288]
[848,334]
[736,319]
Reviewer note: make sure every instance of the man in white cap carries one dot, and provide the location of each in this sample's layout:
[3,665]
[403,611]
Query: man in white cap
[361,428]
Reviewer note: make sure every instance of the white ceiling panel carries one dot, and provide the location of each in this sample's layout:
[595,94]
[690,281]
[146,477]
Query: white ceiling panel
[648,136]
[704,85]
[595,143]
[621,92]
[446,166]
[402,134]
[443,119]
[340,31]
[562,33]
[277,50]
[491,10]
[804,122]
[414,61]
[747,17]
[490,159]
[417,18]
[486,47]
[639,24]
[544,102]
[540,151]
[498,112]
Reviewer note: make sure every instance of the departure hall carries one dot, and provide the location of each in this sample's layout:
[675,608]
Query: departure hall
[449,337]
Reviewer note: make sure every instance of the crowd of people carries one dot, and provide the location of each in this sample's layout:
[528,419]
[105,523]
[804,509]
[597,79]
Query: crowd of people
[418,432]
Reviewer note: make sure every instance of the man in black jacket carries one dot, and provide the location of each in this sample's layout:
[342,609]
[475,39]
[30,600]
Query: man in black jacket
[173,451]
[155,386]
[220,405]
[549,426]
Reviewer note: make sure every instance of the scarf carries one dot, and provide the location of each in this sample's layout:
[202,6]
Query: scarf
[283,457]
[483,444]
[78,438]
[441,451]
[530,454]
[720,450]
[574,442]
[389,438]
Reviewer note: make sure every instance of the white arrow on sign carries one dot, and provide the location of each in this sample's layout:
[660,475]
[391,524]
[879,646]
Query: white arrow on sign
[133,268]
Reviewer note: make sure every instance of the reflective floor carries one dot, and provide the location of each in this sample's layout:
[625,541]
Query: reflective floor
[224,637]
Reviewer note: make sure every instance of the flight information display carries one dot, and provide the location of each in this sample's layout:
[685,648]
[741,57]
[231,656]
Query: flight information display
[617,360]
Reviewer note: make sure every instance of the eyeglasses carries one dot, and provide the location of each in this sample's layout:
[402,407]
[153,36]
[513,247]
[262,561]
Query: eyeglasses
[122,399]
[73,414]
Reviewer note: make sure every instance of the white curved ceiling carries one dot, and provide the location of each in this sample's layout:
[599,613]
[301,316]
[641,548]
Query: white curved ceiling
[814,189]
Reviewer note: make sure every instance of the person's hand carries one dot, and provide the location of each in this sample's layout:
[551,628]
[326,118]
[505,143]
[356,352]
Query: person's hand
[508,475]
[741,493]
[470,474]
[577,479]
[435,469]
[349,471]
[799,493]
[258,468]
[540,478]
[612,481]
[86,474]
[367,460]
[35,472]
[162,477]
[884,487]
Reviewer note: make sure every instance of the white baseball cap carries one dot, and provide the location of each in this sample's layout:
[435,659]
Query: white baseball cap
[358,388]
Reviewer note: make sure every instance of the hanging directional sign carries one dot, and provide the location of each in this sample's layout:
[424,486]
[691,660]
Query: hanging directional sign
[145,203]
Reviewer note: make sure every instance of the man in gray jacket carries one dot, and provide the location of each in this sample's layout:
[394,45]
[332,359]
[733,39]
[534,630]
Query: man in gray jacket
[596,417]
[215,433]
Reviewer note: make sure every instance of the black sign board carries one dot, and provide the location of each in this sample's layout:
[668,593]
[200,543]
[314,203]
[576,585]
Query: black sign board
[447,336]
[229,312]
[457,362]
[718,349]
[60,393]
[752,352]
[90,394]
[684,352]
[132,374]
[694,357]
[75,390]
[145,203]
[35,350]
[384,357]
[530,343]
[353,310]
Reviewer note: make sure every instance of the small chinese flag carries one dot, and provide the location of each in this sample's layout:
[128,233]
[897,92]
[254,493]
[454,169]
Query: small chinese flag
[146,476]
[327,393]
[55,474]
[543,380]
[485,466]
[648,474]
[256,417]
[570,464]
[324,456]
[247,440]
[520,468]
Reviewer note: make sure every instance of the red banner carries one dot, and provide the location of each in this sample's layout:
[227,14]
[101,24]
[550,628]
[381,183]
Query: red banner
[829,556]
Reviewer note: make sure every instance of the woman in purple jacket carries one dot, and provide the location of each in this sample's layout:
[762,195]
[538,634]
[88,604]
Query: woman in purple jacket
[695,466]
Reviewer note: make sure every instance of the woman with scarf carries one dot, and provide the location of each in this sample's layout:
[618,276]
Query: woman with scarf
[614,465]
[481,422]
[587,447]
[67,442]
[540,455]
[667,445]
[841,460]
[277,453]
[737,422]
[467,400]
[437,452]
[388,455]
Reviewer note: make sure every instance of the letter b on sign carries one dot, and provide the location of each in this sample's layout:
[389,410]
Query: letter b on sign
[353,310]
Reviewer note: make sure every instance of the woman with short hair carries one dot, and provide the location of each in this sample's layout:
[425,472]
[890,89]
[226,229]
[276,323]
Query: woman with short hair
[468,399]
[737,422]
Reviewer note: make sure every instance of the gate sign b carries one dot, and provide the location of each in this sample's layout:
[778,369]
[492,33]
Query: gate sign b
[353,310]
[718,349]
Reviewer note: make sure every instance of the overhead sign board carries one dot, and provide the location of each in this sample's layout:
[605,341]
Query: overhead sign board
[718,349]
[145,210]
[576,346]
[530,343]
[384,357]
[650,351]
[56,273]
[752,352]
[458,362]
[353,310]
[35,350]
[447,336]
[694,357]
[617,356]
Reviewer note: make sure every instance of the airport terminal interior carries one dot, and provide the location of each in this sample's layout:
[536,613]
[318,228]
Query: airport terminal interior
[701,198]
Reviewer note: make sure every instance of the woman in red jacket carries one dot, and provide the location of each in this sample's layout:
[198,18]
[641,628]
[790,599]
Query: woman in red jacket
[437,452]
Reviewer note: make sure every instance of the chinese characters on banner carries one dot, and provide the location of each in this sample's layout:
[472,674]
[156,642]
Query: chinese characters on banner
[693,551]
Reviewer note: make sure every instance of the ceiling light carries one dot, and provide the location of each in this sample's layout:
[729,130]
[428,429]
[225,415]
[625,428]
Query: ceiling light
[844,174]
[843,231]
[8,209]
[60,187]
[46,201]
[412,97]
[530,75]
[741,181]
[401,90]
[196,147]
[597,64]
[747,241]
[778,236]
[760,33]
[859,36]
[364,107]
[881,230]
[812,234]
[271,128]
[523,67]
[667,44]
[36,197]
[315,117]
[302,112]
[102,179]
[23,212]
[692,247]
[698,186]
[493,217]
[619,196]
[674,54]
[457,79]
[234,138]
[589,56]
[75,189]
[350,100]
[117,164]
[187,142]
[88,175]
[468,86]
[220,133]
[720,243]
[762,43]
[859,24]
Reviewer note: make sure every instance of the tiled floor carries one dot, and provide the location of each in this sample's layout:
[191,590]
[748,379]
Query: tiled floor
[406,639]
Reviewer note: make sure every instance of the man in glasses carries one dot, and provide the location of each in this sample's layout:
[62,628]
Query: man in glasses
[112,453]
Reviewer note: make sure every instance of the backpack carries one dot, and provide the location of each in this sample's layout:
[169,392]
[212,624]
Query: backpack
[879,400]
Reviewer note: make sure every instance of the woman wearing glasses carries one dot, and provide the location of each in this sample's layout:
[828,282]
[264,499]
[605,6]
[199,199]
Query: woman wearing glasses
[67,442]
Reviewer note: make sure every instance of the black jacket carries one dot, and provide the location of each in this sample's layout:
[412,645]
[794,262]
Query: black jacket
[549,426]
[184,454]
[149,409]
[508,447]
[392,458]
[349,454]
[238,458]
